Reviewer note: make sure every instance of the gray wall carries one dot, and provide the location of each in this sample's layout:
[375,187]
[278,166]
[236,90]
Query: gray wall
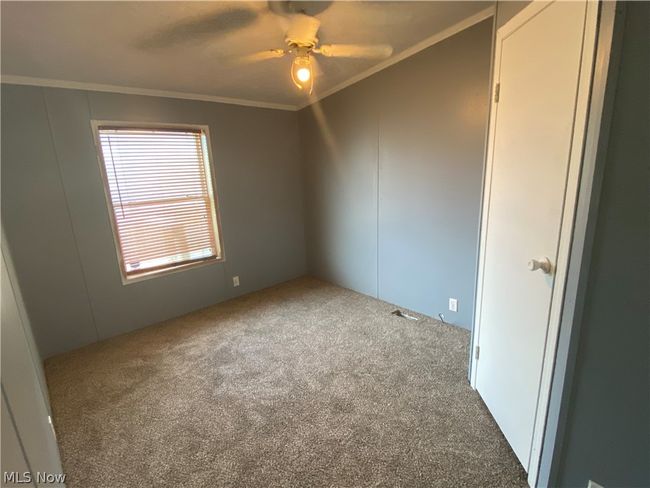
[393,173]
[607,434]
[58,229]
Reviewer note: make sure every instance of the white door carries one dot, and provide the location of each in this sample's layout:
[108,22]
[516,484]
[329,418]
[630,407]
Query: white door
[537,69]
[28,439]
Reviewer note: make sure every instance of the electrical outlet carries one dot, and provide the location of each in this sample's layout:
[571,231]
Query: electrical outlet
[235,281]
[453,305]
[593,484]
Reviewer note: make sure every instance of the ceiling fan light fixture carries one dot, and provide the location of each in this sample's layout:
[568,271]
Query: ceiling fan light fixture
[303,45]
[302,73]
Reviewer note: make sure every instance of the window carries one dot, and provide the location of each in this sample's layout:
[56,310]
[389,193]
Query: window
[161,198]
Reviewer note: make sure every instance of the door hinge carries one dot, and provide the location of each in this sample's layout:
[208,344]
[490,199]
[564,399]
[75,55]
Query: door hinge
[477,351]
[497,90]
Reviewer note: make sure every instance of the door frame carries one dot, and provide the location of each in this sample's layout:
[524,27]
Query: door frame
[568,212]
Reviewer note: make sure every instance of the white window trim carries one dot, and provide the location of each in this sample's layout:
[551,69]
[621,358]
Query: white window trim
[128,280]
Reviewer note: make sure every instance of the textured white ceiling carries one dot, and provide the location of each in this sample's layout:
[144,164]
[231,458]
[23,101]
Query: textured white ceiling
[182,46]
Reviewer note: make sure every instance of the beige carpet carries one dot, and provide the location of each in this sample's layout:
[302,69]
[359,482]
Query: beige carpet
[303,384]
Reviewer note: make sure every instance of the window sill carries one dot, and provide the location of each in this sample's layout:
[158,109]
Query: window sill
[147,275]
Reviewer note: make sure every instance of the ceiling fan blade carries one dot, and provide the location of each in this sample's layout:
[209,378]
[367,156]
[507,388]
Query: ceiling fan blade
[208,26]
[379,51]
[303,28]
[260,56]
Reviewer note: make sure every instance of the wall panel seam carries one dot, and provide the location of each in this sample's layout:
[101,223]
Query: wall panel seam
[378,164]
[67,207]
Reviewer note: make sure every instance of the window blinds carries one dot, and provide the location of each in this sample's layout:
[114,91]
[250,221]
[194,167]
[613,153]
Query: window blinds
[160,189]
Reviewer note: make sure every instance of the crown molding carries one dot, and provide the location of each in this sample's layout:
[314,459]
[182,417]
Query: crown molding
[416,48]
[428,42]
[78,85]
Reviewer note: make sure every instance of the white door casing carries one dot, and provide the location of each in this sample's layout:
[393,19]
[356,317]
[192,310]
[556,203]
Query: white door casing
[543,61]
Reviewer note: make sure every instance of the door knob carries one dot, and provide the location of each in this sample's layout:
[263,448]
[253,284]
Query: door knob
[544,264]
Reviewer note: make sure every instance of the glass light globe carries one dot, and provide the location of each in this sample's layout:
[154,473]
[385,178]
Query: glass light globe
[303,74]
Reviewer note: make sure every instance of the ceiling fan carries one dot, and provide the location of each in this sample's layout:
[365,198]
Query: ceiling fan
[302,43]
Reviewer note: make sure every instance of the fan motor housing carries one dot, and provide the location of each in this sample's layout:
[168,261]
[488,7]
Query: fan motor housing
[301,48]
